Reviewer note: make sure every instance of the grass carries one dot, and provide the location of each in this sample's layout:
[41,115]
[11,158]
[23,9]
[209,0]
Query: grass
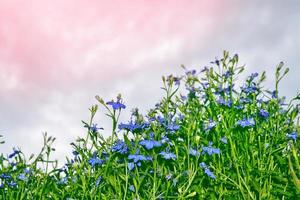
[205,139]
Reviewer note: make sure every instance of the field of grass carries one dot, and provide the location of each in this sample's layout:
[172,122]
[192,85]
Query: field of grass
[207,138]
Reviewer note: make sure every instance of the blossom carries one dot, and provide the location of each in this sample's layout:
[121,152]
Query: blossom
[22,177]
[207,171]
[138,157]
[120,147]
[95,161]
[131,126]
[292,135]
[193,152]
[99,179]
[210,150]
[116,105]
[16,152]
[211,124]
[264,113]
[131,188]
[167,155]
[224,140]
[150,144]
[246,122]
[130,166]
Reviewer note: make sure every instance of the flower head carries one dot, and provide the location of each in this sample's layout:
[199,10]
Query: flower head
[150,144]
[246,122]
[263,113]
[137,157]
[292,135]
[210,150]
[167,155]
[193,152]
[120,147]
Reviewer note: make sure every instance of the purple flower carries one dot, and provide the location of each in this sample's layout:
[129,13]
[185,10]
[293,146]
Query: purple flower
[120,147]
[150,144]
[246,122]
[292,135]
[94,128]
[131,126]
[167,155]
[5,176]
[172,127]
[249,89]
[264,113]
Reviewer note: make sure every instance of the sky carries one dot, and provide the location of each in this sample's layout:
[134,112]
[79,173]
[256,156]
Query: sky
[56,55]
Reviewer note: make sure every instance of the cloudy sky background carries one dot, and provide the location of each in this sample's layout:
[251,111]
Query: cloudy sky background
[56,55]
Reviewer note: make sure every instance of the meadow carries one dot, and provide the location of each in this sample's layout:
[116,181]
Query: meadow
[207,138]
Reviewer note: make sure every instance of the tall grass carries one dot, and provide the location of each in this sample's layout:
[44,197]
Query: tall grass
[206,138]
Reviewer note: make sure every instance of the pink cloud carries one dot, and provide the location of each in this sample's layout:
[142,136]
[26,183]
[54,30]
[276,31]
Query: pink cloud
[45,43]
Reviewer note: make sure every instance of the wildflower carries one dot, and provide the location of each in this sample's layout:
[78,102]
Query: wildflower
[95,161]
[116,105]
[22,177]
[12,184]
[193,152]
[224,140]
[1,185]
[207,171]
[150,144]
[264,113]
[169,176]
[172,127]
[221,101]
[130,166]
[99,179]
[120,147]
[227,74]
[210,150]
[63,181]
[16,152]
[292,135]
[249,89]
[5,176]
[211,124]
[168,155]
[253,75]
[246,122]
[94,128]
[131,126]
[131,188]
[137,157]
[245,100]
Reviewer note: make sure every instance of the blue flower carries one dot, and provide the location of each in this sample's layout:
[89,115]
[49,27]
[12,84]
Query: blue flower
[94,128]
[99,179]
[22,177]
[131,126]
[130,166]
[221,101]
[246,122]
[211,124]
[169,176]
[193,152]
[131,188]
[264,113]
[16,152]
[95,161]
[210,150]
[167,155]
[5,176]
[292,135]
[227,74]
[172,127]
[120,147]
[249,89]
[1,185]
[253,75]
[12,184]
[150,144]
[224,140]
[63,181]
[207,171]
[116,105]
[137,157]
